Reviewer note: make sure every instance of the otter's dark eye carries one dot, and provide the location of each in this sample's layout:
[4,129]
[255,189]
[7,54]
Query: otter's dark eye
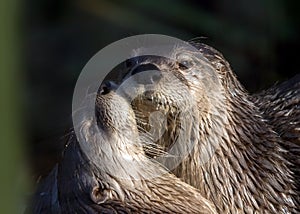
[184,65]
[185,62]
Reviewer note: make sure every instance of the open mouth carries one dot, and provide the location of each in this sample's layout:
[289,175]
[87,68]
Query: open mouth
[157,122]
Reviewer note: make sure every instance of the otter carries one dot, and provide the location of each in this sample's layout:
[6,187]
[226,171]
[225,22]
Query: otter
[238,160]
[115,176]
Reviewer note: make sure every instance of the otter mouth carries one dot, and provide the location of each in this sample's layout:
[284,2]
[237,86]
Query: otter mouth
[158,121]
[157,102]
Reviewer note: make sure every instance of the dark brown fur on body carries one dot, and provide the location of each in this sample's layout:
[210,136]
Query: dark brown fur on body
[247,169]
[281,107]
[114,176]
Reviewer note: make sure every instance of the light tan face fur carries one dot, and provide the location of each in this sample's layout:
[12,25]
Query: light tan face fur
[183,94]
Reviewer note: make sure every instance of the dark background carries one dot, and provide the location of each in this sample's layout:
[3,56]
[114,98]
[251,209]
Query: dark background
[260,38]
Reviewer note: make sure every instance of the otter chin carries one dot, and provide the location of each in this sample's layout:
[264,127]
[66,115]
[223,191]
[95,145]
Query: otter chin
[237,160]
[111,173]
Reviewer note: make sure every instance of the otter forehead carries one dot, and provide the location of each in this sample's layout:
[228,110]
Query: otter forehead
[200,50]
[190,64]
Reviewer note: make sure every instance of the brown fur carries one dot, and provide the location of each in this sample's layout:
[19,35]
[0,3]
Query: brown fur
[103,180]
[238,160]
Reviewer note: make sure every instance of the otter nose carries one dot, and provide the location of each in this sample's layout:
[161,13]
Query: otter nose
[107,86]
[149,78]
[144,67]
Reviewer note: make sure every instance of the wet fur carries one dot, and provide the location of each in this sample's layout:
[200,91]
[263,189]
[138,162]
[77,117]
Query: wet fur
[246,169]
[113,175]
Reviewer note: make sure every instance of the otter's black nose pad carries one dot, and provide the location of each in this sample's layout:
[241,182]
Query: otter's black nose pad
[144,67]
[148,78]
[107,86]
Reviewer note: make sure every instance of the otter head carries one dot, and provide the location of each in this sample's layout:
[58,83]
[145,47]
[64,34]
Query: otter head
[227,130]
[187,91]
[108,172]
[109,136]
[122,173]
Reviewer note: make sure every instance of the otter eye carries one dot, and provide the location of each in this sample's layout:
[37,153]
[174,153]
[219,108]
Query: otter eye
[184,65]
[185,62]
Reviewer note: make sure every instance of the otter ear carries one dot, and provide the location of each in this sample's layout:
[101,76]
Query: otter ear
[99,195]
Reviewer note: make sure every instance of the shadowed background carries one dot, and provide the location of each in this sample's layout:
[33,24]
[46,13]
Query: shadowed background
[56,38]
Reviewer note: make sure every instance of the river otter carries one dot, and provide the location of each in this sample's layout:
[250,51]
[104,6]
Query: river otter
[238,160]
[123,180]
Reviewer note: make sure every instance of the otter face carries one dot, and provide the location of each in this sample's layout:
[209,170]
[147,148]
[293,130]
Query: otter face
[161,104]
[185,77]
[186,93]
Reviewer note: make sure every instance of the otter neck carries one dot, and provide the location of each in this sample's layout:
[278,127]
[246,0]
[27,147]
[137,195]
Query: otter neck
[246,170]
[112,150]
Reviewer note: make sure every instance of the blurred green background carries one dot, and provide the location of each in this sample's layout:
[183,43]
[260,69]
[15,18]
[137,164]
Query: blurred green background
[45,44]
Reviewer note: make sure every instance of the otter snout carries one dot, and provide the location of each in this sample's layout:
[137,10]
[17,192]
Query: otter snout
[150,78]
